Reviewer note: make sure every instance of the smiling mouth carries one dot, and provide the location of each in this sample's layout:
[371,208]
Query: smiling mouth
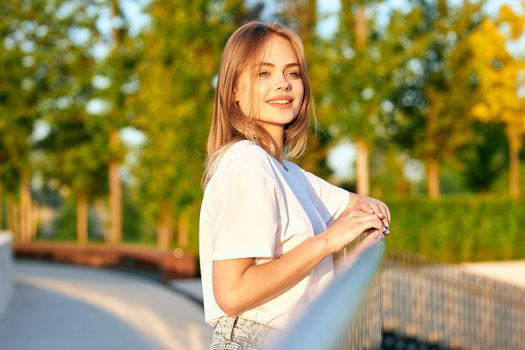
[280,101]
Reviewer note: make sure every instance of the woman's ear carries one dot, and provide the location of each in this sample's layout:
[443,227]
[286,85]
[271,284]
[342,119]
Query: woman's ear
[235,94]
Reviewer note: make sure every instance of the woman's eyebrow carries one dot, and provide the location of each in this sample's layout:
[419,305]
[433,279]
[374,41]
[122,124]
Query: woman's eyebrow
[294,64]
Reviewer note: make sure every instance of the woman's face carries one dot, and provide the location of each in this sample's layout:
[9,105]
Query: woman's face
[276,91]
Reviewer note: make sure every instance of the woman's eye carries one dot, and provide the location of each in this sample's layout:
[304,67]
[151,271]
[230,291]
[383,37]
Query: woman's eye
[295,75]
[264,74]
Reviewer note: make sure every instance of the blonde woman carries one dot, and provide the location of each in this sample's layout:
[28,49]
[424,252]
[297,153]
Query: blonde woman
[268,228]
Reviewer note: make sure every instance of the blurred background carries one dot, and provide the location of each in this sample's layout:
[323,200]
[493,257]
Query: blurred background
[105,106]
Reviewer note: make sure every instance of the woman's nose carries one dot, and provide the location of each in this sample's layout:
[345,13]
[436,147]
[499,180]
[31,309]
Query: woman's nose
[283,83]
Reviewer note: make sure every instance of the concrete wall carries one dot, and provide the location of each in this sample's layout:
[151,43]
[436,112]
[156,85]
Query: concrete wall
[6,270]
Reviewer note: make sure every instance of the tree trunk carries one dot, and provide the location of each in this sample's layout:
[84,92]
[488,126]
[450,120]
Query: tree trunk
[82,218]
[514,180]
[13,220]
[361,29]
[514,155]
[25,209]
[115,203]
[362,168]
[183,232]
[34,220]
[165,229]
[115,192]
[433,185]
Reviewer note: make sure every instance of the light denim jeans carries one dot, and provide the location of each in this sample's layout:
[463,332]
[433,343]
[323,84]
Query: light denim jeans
[235,333]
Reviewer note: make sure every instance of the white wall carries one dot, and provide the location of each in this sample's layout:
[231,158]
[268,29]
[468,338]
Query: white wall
[6,270]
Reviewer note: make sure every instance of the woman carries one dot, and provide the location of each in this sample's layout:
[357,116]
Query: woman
[268,229]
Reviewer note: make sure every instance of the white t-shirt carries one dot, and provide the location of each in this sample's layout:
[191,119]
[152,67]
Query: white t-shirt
[254,208]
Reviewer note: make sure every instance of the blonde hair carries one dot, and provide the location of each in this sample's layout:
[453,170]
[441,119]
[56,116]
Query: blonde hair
[229,124]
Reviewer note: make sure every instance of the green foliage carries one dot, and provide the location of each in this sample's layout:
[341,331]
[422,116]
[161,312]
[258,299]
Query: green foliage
[433,90]
[357,78]
[175,101]
[484,159]
[26,77]
[75,153]
[416,73]
[65,224]
[136,229]
[459,229]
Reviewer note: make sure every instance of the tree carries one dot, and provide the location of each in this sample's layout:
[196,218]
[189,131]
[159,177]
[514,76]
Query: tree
[119,68]
[73,150]
[484,158]
[435,85]
[175,105]
[357,79]
[500,77]
[34,35]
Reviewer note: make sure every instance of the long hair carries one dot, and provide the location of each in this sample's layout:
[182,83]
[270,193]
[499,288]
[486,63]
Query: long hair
[229,124]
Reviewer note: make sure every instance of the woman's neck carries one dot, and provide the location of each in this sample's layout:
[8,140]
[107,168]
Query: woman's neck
[277,134]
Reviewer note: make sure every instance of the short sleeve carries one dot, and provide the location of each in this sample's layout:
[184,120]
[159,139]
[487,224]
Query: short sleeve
[334,198]
[245,211]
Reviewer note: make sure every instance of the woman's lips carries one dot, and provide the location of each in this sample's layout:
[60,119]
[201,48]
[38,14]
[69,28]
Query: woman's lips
[281,102]
[280,105]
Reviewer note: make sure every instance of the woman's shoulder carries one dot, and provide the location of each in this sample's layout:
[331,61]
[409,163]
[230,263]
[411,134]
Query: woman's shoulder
[244,155]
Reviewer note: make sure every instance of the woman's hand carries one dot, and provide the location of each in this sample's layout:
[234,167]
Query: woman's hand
[373,206]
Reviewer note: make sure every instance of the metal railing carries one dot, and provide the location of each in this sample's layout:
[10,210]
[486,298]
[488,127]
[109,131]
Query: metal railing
[339,318]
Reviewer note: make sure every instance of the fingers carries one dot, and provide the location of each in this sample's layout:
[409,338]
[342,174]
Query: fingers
[356,212]
[371,223]
[385,211]
[373,206]
[384,214]
[380,209]
[363,220]
[353,223]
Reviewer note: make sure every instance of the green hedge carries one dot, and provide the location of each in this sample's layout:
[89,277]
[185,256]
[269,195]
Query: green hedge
[459,229]
[452,229]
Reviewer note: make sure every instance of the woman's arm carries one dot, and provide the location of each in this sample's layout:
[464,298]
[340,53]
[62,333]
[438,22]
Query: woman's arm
[239,284]
[329,193]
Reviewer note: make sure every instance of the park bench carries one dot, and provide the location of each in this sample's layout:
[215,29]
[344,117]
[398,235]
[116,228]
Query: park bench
[170,264]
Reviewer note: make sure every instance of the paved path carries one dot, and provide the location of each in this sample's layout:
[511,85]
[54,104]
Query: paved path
[64,307]
[512,272]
